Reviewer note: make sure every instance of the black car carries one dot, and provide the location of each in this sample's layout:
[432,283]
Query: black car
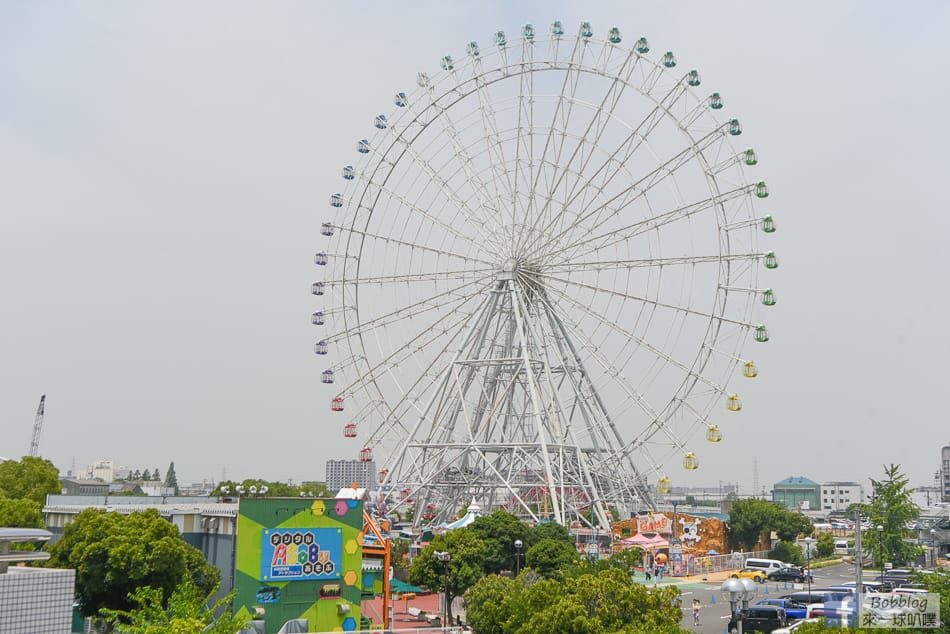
[788,573]
[763,618]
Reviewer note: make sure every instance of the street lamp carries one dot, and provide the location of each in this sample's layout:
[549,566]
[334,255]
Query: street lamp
[933,548]
[880,541]
[518,545]
[445,558]
[734,591]
[808,542]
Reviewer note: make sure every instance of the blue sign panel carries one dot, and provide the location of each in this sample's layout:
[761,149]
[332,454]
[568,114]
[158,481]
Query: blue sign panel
[311,554]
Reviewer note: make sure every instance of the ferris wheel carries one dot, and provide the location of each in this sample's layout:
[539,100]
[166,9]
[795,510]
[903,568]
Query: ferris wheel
[539,275]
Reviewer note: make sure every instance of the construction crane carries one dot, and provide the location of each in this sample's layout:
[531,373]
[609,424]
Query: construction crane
[37,428]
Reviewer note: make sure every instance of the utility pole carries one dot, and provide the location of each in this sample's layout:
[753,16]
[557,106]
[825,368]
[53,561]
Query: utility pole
[858,569]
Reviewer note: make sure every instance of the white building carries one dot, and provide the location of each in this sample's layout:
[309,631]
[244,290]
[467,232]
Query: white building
[836,497]
[343,473]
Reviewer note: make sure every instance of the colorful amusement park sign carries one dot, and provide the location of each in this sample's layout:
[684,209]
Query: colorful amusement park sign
[290,554]
[653,524]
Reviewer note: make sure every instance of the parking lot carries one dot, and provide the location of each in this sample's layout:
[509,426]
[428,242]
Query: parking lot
[714,613]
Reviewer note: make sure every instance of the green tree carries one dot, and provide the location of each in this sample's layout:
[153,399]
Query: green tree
[596,603]
[549,557]
[788,552]
[187,612]
[135,476]
[891,507]
[488,604]
[748,519]
[31,478]
[938,584]
[22,513]
[171,480]
[788,525]
[156,476]
[114,554]
[499,531]
[825,546]
[550,530]
[458,574]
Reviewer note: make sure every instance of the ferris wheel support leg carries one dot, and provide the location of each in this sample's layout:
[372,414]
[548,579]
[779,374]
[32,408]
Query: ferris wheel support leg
[639,489]
[536,402]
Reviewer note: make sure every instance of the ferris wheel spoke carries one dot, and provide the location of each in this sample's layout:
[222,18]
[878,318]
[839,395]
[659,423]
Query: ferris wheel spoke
[659,354]
[636,191]
[404,140]
[384,428]
[425,337]
[572,74]
[418,245]
[524,138]
[460,274]
[607,265]
[423,213]
[597,241]
[573,332]
[460,152]
[442,300]
[625,152]
[647,300]
[501,178]
[598,124]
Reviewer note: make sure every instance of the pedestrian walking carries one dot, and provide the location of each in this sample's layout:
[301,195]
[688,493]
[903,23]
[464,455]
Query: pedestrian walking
[696,606]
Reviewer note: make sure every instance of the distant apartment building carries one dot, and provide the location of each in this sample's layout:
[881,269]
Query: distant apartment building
[945,473]
[836,497]
[107,471]
[343,473]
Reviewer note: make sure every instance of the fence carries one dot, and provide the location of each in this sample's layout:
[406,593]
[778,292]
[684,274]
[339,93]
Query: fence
[714,563]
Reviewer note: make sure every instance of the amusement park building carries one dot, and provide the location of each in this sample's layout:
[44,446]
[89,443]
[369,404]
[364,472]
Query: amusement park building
[797,492]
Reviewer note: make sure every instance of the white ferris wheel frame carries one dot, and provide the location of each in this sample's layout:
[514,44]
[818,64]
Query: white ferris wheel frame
[512,250]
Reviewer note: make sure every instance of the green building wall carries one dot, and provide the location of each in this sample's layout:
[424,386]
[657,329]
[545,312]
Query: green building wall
[301,559]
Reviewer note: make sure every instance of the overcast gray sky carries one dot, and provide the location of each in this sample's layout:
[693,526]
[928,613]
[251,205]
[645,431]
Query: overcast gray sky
[166,167]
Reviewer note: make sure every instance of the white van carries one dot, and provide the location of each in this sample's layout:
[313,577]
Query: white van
[841,547]
[767,565]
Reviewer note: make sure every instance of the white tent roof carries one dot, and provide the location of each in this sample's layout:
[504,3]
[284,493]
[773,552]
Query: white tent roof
[474,512]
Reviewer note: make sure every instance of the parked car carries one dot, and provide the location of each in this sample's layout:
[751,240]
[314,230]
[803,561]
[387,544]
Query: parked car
[763,618]
[793,609]
[869,586]
[788,573]
[819,595]
[794,626]
[756,574]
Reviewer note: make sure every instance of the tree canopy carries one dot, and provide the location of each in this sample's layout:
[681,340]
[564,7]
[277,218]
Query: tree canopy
[187,612]
[749,518]
[607,601]
[30,478]
[891,508]
[115,554]
[171,480]
[20,513]
[549,557]
[499,531]
[462,571]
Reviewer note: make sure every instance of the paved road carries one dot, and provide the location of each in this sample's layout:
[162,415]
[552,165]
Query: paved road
[714,614]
